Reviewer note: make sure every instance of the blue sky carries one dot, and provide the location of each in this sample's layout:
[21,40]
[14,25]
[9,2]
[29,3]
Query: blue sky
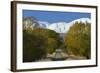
[53,16]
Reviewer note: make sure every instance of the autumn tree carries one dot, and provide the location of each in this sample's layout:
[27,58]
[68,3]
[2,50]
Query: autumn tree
[78,39]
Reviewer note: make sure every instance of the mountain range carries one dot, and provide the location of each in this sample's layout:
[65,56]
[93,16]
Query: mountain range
[61,27]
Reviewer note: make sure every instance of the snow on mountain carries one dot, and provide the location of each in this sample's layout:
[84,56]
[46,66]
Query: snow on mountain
[58,27]
[43,24]
[63,27]
[82,20]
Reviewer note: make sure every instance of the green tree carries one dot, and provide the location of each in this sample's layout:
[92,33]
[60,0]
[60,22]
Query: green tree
[33,47]
[38,43]
[52,38]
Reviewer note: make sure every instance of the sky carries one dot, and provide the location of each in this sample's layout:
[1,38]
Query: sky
[55,16]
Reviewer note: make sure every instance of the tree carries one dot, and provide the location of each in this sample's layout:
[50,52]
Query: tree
[38,43]
[78,39]
[52,38]
[33,47]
